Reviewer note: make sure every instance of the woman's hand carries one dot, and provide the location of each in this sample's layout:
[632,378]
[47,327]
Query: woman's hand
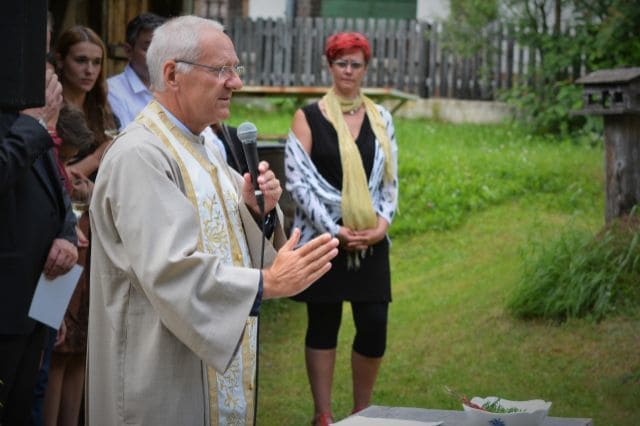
[82,186]
[89,164]
[61,334]
[83,241]
[349,239]
[360,240]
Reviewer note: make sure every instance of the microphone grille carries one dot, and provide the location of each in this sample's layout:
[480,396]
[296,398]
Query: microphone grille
[247,132]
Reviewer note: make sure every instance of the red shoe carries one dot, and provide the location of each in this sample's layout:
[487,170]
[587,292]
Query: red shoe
[322,419]
[358,409]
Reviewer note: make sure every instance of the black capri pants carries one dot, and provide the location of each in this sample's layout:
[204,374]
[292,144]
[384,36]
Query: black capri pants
[323,323]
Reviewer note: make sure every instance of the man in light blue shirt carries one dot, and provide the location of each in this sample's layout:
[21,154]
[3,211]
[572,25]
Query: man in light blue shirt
[129,91]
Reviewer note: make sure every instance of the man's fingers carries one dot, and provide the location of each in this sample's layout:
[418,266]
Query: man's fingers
[317,273]
[323,253]
[318,262]
[66,263]
[52,260]
[69,259]
[48,75]
[322,260]
[312,245]
[247,178]
[316,269]
[266,175]
[293,240]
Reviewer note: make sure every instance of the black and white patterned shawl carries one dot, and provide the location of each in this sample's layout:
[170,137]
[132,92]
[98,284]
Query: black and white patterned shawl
[318,203]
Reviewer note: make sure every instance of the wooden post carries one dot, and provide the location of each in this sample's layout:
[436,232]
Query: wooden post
[622,163]
[615,94]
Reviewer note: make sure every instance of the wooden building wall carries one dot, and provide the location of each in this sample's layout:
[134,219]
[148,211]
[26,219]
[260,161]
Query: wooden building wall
[119,13]
[109,19]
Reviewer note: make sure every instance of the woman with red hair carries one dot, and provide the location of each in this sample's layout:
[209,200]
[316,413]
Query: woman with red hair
[341,165]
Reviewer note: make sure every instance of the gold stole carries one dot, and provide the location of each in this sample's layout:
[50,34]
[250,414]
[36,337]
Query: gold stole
[214,196]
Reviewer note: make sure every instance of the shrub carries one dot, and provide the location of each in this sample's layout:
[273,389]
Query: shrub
[581,275]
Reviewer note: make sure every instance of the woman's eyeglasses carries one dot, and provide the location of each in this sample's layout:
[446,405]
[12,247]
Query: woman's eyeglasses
[355,65]
[224,72]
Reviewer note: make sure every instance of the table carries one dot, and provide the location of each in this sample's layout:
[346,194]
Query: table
[303,92]
[450,417]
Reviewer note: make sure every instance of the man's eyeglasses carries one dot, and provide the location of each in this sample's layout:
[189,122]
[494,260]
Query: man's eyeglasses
[355,65]
[224,72]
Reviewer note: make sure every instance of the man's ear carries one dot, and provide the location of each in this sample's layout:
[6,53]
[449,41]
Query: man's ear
[170,75]
[128,49]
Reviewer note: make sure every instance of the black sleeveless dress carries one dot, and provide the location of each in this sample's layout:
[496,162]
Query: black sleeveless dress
[372,282]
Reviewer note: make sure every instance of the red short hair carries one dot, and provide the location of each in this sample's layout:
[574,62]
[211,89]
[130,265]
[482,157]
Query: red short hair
[340,42]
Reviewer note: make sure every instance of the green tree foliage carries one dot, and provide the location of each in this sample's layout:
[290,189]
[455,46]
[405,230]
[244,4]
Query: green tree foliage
[569,36]
[468,19]
[613,28]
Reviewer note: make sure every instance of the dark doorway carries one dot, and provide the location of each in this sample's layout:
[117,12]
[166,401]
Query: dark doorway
[166,8]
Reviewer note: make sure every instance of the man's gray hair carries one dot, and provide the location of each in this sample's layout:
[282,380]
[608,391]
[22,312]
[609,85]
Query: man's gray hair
[178,38]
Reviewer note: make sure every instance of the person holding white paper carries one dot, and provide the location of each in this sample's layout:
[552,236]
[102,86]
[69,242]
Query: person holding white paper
[37,235]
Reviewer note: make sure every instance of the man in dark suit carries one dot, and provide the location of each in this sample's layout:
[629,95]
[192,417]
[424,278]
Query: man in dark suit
[37,235]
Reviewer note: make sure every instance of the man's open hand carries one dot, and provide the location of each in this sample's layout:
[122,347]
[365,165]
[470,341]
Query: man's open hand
[293,270]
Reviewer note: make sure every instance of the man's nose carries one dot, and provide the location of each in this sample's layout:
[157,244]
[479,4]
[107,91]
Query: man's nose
[235,82]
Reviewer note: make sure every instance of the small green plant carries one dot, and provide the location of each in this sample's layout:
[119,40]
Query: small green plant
[581,275]
[495,407]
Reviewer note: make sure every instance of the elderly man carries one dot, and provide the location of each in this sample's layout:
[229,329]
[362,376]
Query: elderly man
[129,91]
[176,233]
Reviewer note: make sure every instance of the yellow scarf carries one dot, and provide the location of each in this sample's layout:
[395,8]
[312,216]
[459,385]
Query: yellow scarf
[357,208]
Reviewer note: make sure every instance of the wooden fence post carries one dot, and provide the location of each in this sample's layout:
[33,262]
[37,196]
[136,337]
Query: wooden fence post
[615,94]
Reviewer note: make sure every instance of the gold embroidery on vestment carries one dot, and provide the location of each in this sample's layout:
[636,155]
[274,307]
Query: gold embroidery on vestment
[231,394]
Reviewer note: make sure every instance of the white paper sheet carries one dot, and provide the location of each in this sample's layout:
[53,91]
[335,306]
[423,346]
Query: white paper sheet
[52,297]
[370,421]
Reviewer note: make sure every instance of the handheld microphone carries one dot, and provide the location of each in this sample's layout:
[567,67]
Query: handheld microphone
[248,133]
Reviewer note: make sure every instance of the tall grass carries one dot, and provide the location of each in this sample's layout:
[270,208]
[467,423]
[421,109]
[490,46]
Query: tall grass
[580,274]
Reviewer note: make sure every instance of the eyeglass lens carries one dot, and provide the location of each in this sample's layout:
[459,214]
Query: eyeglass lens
[228,71]
[224,72]
[354,64]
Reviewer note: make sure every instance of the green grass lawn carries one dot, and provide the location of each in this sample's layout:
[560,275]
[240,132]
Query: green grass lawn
[473,198]
[448,327]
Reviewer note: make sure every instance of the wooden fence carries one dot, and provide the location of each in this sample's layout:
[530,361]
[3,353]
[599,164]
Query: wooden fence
[290,52]
[499,64]
[407,55]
